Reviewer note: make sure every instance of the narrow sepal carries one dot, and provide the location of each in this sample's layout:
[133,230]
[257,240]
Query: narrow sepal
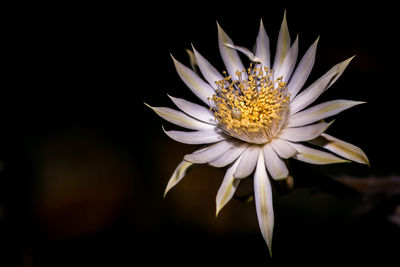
[177,175]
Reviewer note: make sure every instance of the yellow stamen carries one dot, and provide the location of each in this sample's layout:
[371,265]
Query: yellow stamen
[253,106]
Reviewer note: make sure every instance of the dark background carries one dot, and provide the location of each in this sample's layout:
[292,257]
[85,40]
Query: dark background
[84,162]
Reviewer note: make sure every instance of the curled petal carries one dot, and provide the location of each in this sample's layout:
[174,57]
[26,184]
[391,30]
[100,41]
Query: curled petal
[245,51]
[178,174]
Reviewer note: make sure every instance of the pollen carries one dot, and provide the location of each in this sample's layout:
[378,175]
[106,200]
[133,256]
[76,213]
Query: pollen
[251,109]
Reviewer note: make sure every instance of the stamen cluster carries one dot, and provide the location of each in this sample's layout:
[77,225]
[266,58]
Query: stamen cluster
[253,106]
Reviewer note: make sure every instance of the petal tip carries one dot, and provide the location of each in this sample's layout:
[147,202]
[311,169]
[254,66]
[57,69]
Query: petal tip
[148,105]
[218,209]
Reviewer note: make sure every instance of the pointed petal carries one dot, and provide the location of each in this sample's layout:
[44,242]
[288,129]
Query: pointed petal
[227,188]
[315,156]
[311,93]
[181,119]
[302,71]
[229,56]
[209,72]
[263,201]
[262,46]
[229,156]
[196,137]
[283,44]
[211,153]
[196,111]
[199,87]
[178,174]
[304,133]
[341,148]
[283,148]
[247,162]
[319,112]
[286,69]
[275,165]
[192,60]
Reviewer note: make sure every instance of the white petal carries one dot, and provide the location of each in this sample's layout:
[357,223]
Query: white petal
[304,133]
[196,111]
[275,165]
[227,188]
[341,148]
[320,112]
[283,44]
[283,148]
[209,72]
[247,162]
[288,64]
[178,174]
[199,87]
[311,93]
[315,156]
[229,56]
[263,201]
[229,156]
[302,71]
[196,137]
[211,153]
[180,118]
[193,61]
[262,46]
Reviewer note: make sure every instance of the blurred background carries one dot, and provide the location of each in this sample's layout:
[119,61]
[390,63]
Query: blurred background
[84,163]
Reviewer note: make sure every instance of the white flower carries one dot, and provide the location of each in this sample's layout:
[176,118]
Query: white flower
[257,117]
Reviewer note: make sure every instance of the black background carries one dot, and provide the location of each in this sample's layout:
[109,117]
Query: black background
[74,82]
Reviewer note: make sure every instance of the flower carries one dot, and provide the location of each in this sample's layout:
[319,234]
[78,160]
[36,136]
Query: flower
[258,117]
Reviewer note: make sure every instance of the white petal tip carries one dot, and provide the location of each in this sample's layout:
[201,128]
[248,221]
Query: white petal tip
[280,178]
[165,193]
[230,45]
[217,211]
[240,175]
[347,61]
[218,26]
[167,189]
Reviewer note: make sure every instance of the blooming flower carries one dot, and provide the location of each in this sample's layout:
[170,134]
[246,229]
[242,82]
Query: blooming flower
[257,117]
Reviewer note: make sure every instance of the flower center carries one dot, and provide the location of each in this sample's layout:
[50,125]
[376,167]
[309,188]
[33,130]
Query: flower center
[252,109]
